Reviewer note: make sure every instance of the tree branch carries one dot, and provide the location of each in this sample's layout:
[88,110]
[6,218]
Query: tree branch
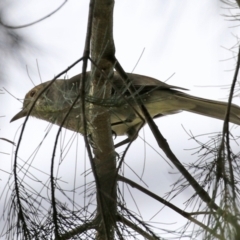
[168,204]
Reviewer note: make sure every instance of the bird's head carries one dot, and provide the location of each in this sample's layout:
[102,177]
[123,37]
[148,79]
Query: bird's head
[44,100]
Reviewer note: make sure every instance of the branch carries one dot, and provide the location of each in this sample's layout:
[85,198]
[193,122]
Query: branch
[4,139]
[162,143]
[135,227]
[80,229]
[32,23]
[102,49]
[21,213]
[168,204]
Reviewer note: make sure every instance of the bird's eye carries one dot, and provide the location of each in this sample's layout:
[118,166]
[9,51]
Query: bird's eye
[32,93]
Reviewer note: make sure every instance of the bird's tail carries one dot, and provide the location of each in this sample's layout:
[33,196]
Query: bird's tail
[210,108]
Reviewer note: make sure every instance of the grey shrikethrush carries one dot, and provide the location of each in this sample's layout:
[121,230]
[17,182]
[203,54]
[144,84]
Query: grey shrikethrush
[158,97]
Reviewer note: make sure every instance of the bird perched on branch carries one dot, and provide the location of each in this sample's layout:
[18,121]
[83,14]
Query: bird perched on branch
[158,97]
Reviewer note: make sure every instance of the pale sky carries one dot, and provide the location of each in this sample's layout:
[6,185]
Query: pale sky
[187,38]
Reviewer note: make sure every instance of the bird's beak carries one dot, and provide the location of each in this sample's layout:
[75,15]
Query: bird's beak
[22,113]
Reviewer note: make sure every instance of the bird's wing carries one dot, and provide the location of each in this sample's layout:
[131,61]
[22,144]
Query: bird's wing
[143,81]
[138,81]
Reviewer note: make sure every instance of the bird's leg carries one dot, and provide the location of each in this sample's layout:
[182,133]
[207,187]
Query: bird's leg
[132,134]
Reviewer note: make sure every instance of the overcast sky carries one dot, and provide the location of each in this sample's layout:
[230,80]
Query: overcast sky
[187,38]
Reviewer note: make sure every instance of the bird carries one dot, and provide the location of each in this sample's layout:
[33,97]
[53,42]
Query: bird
[159,98]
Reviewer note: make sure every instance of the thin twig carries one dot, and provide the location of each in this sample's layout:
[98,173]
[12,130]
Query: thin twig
[37,21]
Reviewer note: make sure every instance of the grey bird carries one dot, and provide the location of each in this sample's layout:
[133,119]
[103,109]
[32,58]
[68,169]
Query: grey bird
[158,97]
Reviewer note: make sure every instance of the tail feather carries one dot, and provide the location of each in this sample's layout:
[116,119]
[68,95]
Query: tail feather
[210,108]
